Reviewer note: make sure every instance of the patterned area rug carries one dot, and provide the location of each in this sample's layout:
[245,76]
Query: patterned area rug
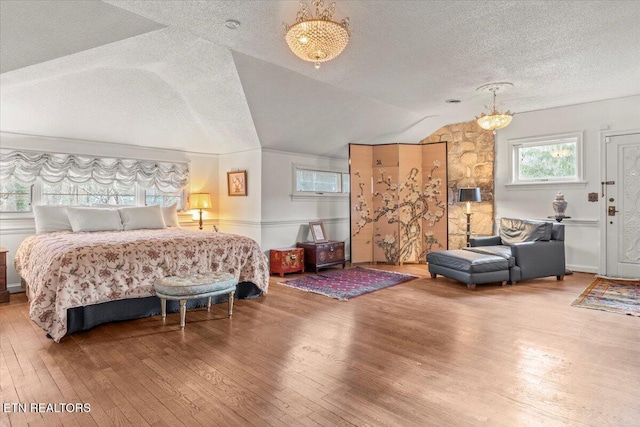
[349,283]
[616,295]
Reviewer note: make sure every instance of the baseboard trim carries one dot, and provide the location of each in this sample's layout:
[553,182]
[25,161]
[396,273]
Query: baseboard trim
[583,268]
[15,288]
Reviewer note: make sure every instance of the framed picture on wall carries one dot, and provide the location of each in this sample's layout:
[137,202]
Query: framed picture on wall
[317,232]
[237,183]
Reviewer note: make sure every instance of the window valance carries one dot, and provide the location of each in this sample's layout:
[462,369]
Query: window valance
[26,166]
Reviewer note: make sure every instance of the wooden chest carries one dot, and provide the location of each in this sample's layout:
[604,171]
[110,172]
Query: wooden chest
[286,260]
[321,255]
[4,293]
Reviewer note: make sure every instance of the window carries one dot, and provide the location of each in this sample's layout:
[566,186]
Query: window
[153,196]
[547,160]
[346,183]
[89,193]
[30,177]
[317,182]
[14,196]
[72,179]
[18,197]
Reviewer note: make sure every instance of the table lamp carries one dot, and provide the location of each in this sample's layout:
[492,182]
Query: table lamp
[200,201]
[469,195]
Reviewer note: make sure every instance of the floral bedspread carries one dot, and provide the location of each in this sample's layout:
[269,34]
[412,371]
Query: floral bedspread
[65,270]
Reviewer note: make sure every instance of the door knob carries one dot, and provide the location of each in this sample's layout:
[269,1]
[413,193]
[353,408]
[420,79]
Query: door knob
[612,211]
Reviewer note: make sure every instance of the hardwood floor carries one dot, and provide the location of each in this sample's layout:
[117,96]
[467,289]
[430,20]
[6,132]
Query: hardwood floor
[426,352]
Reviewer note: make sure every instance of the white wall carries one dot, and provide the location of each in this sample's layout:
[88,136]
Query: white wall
[240,214]
[583,246]
[285,220]
[204,177]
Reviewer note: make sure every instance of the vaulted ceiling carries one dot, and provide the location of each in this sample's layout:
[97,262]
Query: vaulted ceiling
[169,74]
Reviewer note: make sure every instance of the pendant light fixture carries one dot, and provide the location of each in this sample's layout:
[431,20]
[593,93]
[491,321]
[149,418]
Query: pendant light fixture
[317,38]
[494,120]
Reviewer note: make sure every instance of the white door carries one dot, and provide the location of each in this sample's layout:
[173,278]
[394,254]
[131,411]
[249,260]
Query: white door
[622,202]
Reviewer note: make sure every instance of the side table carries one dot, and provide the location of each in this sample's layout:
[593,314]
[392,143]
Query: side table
[4,293]
[567,272]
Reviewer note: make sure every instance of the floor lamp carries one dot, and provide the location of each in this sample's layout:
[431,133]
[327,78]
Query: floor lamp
[200,201]
[469,195]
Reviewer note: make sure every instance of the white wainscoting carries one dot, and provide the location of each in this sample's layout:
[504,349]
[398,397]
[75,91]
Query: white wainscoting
[12,232]
[286,233]
[250,229]
[581,243]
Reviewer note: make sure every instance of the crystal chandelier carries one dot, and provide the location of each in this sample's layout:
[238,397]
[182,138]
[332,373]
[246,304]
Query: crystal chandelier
[317,38]
[494,120]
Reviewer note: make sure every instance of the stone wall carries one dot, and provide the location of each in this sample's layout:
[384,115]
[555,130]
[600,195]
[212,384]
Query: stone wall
[470,156]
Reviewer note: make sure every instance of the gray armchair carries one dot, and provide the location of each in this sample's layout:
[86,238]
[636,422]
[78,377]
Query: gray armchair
[532,248]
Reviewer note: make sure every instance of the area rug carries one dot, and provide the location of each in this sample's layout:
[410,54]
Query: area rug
[349,283]
[615,295]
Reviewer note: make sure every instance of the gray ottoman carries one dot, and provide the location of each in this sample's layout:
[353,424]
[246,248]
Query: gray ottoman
[468,267]
[195,286]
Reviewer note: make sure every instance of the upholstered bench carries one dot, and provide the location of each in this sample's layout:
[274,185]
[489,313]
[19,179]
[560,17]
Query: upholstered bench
[195,286]
[468,267]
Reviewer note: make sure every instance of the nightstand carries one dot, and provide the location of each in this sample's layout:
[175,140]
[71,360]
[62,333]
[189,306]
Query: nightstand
[286,260]
[4,293]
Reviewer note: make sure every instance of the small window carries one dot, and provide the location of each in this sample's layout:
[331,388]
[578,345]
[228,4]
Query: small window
[153,196]
[545,160]
[310,182]
[89,193]
[346,183]
[14,196]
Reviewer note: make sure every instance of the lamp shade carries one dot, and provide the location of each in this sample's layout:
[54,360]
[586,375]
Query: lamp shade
[200,201]
[469,194]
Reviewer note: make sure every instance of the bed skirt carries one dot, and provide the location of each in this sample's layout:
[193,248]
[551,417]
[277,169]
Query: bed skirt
[85,318]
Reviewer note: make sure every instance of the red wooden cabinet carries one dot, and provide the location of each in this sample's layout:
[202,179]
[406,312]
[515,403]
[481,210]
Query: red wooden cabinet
[286,260]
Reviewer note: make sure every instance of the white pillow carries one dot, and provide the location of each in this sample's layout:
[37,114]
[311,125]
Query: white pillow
[88,219]
[170,214]
[138,217]
[50,218]
[104,206]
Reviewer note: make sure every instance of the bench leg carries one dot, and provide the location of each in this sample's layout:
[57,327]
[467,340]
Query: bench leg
[561,277]
[209,304]
[163,308]
[471,286]
[230,304]
[183,312]
[504,283]
[434,275]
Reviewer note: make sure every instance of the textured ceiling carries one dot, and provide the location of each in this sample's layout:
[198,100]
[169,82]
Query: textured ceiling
[36,31]
[200,86]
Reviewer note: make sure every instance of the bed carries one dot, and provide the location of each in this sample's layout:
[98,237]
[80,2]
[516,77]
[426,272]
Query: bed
[67,274]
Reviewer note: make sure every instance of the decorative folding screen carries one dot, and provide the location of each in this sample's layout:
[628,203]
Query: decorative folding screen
[398,201]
